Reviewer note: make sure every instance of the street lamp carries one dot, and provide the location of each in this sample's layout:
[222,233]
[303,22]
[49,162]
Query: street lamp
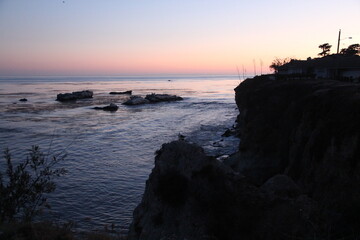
[337,52]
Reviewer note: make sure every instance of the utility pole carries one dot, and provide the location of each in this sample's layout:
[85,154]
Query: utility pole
[337,52]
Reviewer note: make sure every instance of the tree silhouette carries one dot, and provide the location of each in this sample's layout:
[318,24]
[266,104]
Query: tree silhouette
[325,49]
[353,49]
[278,62]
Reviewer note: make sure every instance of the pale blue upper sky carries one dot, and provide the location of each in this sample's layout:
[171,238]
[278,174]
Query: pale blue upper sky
[172,36]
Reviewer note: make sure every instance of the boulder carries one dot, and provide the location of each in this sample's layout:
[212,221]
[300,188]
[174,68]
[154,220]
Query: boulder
[62,97]
[154,98]
[136,100]
[112,108]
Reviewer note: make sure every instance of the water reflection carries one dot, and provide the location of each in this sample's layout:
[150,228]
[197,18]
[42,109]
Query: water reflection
[110,155]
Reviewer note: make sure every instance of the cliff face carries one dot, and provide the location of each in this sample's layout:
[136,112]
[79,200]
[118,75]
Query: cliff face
[296,174]
[308,130]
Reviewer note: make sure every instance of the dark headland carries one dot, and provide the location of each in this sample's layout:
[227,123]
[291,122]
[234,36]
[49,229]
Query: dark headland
[295,174]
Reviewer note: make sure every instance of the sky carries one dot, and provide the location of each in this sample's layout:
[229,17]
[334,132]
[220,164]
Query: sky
[137,37]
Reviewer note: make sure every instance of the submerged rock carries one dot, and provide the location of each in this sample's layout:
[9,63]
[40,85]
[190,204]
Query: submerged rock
[154,98]
[122,93]
[74,96]
[230,132]
[112,107]
[136,100]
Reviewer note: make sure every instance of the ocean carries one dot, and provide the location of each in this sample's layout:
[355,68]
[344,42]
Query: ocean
[109,155]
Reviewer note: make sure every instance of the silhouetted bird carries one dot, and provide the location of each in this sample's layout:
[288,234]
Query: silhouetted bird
[181,137]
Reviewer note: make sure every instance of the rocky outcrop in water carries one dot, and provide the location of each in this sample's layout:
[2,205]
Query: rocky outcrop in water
[62,97]
[152,98]
[136,100]
[112,107]
[295,176]
[121,93]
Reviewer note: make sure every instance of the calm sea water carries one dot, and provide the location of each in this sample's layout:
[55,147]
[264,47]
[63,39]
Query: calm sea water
[111,154]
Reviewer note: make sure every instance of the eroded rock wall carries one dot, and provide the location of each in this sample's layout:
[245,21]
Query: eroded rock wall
[295,176]
[308,130]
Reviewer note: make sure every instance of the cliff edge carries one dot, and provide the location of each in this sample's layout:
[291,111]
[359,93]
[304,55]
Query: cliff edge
[295,175]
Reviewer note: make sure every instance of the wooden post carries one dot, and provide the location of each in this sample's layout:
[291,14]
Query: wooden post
[337,52]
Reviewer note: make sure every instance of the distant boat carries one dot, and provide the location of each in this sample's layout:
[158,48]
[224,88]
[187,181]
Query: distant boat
[126,92]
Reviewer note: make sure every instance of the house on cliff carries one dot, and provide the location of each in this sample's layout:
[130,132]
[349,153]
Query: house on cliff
[336,66]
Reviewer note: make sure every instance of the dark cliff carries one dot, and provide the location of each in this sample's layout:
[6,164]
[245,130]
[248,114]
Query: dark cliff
[295,176]
[308,130]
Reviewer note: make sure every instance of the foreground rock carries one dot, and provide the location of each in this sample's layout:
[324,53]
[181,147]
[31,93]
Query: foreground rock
[112,107]
[192,196]
[62,97]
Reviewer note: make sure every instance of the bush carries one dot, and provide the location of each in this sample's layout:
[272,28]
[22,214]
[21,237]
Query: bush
[23,188]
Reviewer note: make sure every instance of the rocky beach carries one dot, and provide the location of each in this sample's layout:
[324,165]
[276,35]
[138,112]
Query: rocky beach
[295,174]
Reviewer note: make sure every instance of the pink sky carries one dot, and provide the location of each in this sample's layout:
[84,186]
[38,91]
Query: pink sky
[44,37]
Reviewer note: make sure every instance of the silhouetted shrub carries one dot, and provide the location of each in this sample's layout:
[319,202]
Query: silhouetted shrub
[22,187]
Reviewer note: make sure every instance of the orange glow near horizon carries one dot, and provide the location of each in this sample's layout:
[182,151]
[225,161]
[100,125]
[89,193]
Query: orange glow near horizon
[189,59]
[102,64]
[166,37]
